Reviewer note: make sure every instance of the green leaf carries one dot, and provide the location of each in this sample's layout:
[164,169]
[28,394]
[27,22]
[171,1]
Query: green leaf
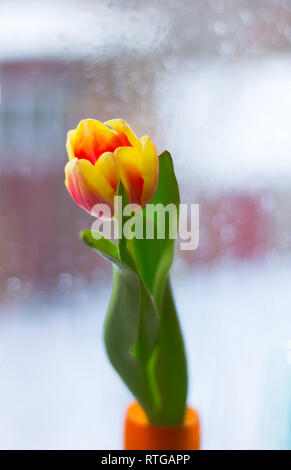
[169,365]
[154,257]
[131,325]
[106,248]
[149,317]
[125,254]
[142,333]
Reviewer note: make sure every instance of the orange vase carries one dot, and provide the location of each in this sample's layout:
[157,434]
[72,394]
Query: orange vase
[141,435]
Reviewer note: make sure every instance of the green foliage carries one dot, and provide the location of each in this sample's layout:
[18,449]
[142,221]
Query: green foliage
[131,325]
[142,333]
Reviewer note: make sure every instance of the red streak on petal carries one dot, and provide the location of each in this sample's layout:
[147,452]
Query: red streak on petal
[136,183]
[112,181]
[91,147]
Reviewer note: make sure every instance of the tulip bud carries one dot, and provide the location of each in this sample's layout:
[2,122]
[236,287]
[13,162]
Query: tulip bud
[102,154]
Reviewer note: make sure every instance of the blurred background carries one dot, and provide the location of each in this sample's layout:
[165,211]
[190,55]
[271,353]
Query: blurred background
[210,80]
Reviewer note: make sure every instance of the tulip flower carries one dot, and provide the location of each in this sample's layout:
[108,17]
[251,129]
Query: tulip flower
[101,154]
[142,335]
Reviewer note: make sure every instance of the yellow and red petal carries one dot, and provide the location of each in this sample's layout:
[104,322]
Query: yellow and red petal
[71,138]
[106,165]
[125,132]
[87,185]
[91,139]
[149,169]
[101,154]
[128,160]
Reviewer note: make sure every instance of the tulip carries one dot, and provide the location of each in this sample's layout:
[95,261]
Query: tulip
[102,154]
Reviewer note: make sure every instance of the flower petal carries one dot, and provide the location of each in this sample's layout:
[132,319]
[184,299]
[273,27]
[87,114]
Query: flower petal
[149,169]
[106,165]
[92,139]
[87,185]
[125,132]
[71,137]
[128,161]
